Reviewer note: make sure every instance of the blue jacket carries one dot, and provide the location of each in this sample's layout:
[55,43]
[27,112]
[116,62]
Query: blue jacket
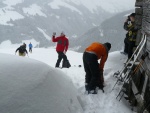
[30,45]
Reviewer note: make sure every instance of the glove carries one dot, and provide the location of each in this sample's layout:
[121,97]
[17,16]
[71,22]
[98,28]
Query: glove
[54,33]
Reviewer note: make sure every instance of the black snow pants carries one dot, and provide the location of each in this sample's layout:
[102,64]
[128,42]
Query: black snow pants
[126,45]
[30,49]
[91,67]
[61,56]
[130,48]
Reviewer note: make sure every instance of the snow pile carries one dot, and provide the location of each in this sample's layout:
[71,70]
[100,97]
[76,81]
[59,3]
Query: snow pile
[30,86]
[101,103]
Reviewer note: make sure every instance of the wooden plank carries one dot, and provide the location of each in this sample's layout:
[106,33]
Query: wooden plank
[139,0]
[138,20]
[139,11]
[146,12]
[139,3]
[138,97]
[146,28]
[146,17]
[146,3]
[138,37]
[148,45]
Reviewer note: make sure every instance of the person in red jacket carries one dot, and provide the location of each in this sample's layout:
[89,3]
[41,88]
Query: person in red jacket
[94,70]
[61,48]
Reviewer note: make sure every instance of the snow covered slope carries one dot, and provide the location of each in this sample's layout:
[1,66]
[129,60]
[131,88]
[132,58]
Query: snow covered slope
[111,30]
[30,86]
[111,6]
[37,19]
[100,103]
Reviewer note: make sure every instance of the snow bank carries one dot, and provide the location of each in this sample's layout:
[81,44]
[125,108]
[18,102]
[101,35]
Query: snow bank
[100,103]
[30,86]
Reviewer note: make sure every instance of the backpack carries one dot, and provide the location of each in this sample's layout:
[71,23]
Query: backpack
[21,49]
[66,64]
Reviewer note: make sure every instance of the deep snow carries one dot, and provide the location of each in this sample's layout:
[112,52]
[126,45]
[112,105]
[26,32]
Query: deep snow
[100,103]
[30,86]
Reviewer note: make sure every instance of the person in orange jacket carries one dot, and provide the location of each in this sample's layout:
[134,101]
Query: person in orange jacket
[93,69]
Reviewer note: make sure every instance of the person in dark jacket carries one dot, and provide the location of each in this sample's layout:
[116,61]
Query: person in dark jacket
[61,48]
[130,39]
[94,70]
[25,45]
[22,50]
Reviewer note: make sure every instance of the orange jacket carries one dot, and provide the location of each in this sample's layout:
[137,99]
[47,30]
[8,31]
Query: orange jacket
[101,52]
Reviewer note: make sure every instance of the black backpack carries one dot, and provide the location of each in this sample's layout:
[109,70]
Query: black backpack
[21,49]
[66,64]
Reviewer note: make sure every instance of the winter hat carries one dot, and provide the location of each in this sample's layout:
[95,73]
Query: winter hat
[132,14]
[63,32]
[108,45]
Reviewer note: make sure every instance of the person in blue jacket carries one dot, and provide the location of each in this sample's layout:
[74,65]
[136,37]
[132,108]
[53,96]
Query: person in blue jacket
[30,47]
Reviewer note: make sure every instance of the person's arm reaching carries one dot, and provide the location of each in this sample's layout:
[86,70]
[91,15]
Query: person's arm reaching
[54,39]
[102,62]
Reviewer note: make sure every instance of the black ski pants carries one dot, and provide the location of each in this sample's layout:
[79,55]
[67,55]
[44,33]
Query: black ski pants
[130,48]
[30,49]
[61,56]
[91,67]
[126,45]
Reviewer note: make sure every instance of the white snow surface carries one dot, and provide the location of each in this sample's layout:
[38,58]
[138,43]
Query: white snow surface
[8,13]
[34,10]
[6,16]
[27,83]
[30,86]
[8,44]
[57,3]
[111,6]
[43,32]
[11,3]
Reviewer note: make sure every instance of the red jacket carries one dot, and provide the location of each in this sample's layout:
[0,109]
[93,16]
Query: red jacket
[62,43]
